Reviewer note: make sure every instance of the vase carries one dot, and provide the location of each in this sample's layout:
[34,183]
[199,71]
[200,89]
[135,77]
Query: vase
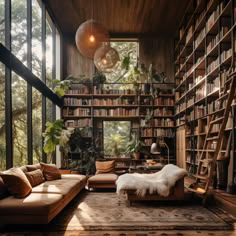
[136,155]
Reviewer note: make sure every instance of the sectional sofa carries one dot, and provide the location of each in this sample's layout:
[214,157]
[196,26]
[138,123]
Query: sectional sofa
[35,194]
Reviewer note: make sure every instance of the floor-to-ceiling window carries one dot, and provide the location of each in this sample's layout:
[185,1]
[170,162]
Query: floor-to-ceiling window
[28,32]
[2,92]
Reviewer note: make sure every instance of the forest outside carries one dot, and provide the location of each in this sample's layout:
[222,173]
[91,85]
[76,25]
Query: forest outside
[19,86]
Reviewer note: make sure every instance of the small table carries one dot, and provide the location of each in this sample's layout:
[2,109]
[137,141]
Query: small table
[146,168]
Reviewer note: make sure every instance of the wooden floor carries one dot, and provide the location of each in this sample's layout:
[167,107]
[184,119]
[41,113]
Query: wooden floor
[226,201]
[159,233]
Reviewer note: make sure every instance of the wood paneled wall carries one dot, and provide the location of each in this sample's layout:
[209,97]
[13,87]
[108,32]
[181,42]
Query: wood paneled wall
[159,52]
[73,62]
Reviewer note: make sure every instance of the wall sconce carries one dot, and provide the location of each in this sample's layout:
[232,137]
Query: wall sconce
[105,58]
[90,36]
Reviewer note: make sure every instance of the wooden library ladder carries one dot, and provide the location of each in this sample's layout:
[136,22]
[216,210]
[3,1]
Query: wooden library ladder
[207,161]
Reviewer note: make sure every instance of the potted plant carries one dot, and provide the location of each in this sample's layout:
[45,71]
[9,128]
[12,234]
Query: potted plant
[134,147]
[56,134]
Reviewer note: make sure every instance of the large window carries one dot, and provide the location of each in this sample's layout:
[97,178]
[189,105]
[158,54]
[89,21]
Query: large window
[31,36]
[2,119]
[125,49]
[115,138]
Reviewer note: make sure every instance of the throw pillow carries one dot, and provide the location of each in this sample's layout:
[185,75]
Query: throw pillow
[16,182]
[35,177]
[33,167]
[3,190]
[105,167]
[50,171]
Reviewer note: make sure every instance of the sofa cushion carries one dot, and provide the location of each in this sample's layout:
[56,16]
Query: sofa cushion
[3,189]
[64,186]
[50,171]
[16,181]
[103,178]
[33,204]
[35,177]
[105,167]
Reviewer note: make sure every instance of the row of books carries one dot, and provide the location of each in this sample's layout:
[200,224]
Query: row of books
[164,101]
[78,123]
[162,112]
[116,112]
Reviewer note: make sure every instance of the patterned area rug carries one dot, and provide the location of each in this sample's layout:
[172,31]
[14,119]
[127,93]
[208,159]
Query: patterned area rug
[107,211]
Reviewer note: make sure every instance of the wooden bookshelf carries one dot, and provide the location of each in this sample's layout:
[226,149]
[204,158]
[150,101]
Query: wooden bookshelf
[203,56]
[89,107]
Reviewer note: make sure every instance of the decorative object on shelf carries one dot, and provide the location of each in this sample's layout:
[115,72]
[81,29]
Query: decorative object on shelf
[90,36]
[105,58]
[134,147]
[98,79]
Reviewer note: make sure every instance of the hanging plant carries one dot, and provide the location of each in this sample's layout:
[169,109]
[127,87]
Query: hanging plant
[61,86]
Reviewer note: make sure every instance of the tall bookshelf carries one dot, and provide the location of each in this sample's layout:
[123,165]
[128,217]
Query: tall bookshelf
[151,111]
[203,56]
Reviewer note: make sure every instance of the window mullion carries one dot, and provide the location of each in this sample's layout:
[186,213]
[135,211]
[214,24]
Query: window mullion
[8,90]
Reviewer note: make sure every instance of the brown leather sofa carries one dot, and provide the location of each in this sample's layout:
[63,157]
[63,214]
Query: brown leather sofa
[44,202]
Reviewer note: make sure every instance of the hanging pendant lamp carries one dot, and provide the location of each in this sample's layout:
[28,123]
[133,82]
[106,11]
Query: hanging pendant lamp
[90,36]
[105,58]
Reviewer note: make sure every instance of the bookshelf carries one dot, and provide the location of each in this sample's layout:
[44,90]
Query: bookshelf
[203,56]
[151,112]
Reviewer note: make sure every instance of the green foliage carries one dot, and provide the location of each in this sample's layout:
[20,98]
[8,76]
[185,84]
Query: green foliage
[116,135]
[135,145]
[52,135]
[99,78]
[61,86]
[126,62]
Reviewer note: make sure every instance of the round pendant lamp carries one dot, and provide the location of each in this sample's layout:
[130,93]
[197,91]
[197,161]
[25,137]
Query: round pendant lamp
[105,58]
[90,36]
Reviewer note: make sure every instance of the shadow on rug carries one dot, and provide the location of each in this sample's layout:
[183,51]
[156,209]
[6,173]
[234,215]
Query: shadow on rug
[107,211]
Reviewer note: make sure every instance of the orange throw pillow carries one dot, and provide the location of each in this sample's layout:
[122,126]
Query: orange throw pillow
[105,167]
[16,182]
[50,171]
[35,177]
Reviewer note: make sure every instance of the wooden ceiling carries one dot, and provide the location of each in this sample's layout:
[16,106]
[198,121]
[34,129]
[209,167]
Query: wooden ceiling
[125,18]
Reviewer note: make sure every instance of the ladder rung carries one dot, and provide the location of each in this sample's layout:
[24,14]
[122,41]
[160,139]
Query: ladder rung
[228,80]
[201,177]
[206,160]
[218,111]
[197,190]
[212,138]
[217,120]
[223,97]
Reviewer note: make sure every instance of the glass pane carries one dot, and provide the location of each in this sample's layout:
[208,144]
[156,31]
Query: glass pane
[49,110]
[49,54]
[37,126]
[124,49]
[116,136]
[19,29]
[36,39]
[19,120]
[2,22]
[2,119]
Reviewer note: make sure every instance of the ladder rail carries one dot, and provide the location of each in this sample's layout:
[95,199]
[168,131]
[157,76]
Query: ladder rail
[230,91]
